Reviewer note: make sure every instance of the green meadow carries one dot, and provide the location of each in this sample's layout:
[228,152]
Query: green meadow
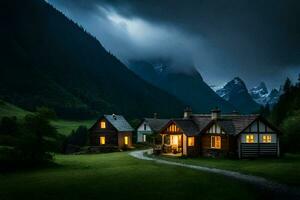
[284,170]
[119,176]
[64,127]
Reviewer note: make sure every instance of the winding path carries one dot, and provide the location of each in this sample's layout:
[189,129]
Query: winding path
[258,181]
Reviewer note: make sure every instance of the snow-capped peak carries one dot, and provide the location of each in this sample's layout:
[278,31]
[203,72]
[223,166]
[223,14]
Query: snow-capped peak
[262,96]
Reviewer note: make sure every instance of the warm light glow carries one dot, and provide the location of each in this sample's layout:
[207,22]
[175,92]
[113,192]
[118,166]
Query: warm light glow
[267,138]
[250,138]
[216,142]
[144,138]
[126,140]
[173,128]
[102,124]
[102,140]
[174,139]
[191,141]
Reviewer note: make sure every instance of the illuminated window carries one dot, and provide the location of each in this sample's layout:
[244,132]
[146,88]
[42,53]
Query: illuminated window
[191,141]
[173,128]
[144,138]
[102,140]
[216,142]
[126,140]
[250,138]
[267,138]
[102,124]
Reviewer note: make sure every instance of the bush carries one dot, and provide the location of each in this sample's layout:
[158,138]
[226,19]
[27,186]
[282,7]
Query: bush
[76,139]
[46,112]
[291,136]
[27,143]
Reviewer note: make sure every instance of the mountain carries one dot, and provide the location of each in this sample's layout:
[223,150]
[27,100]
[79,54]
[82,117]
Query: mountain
[236,93]
[187,86]
[47,59]
[261,95]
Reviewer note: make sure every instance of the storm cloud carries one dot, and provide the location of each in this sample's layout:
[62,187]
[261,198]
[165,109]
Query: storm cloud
[256,40]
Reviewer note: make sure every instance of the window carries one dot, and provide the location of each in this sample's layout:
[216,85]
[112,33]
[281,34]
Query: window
[216,142]
[173,128]
[102,124]
[267,138]
[191,141]
[102,140]
[250,138]
[144,138]
[126,140]
[145,127]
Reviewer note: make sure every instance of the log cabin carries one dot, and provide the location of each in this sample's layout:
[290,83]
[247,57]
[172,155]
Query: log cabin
[216,135]
[111,131]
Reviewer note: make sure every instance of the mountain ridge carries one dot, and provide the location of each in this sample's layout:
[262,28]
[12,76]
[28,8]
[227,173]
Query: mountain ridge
[236,93]
[188,87]
[49,60]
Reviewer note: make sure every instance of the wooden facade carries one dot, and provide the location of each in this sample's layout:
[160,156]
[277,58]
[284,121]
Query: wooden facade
[105,134]
[242,136]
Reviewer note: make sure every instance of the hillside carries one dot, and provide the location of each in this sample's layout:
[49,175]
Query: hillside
[64,127]
[46,59]
[187,86]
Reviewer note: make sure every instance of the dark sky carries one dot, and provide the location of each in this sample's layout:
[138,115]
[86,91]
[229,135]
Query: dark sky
[255,40]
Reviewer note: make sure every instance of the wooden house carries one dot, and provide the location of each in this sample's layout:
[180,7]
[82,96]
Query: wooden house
[218,135]
[111,131]
[148,127]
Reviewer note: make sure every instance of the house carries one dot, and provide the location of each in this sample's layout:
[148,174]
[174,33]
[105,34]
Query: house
[218,135]
[111,131]
[149,126]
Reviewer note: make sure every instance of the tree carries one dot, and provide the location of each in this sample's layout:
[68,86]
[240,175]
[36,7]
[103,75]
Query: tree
[287,85]
[78,137]
[38,139]
[46,112]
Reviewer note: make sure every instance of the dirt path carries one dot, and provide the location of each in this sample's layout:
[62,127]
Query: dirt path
[258,181]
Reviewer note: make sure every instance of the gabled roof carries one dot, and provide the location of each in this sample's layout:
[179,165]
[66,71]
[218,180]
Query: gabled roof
[119,122]
[156,124]
[233,124]
[188,126]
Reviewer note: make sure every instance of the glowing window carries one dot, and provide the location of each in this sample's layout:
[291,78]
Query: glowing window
[250,138]
[126,140]
[102,124]
[267,138]
[102,140]
[173,128]
[216,142]
[144,138]
[191,141]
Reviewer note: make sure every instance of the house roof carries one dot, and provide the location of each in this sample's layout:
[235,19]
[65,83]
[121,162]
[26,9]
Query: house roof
[233,124]
[188,126]
[119,122]
[156,124]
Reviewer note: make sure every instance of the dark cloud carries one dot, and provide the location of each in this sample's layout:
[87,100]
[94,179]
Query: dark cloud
[251,39]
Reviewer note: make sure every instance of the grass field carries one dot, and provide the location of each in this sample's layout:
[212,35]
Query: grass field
[64,127]
[284,170]
[119,176]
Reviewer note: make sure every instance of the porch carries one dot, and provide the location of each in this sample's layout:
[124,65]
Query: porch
[171,145]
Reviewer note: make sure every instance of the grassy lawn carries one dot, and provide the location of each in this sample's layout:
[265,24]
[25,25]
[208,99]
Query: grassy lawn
[285,170]
[119,176]
[65,127]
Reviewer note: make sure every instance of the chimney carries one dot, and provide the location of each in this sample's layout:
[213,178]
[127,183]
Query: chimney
[187,112]
[215,113]
[154,115]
